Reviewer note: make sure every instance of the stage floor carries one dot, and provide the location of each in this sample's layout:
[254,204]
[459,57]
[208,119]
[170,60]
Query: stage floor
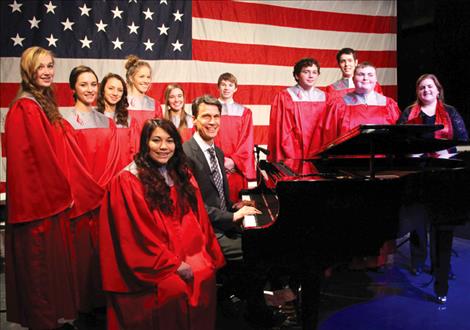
[360,300]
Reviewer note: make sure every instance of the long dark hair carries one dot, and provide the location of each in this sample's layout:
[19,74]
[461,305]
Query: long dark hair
[121,114]
[157,191]
[75,73]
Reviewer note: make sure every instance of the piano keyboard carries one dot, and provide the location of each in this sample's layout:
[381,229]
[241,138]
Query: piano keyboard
[269,213]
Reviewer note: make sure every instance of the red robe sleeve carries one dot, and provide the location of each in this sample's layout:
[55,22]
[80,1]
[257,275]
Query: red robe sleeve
[87,194]
[133,249]
[212,245]
[243,156]
[158,110]
[333,119]
[36,184]
[283,136]
[393,111]
[378,88]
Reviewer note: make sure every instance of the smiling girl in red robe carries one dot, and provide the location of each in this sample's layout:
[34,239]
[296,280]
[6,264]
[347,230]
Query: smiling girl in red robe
[157,249]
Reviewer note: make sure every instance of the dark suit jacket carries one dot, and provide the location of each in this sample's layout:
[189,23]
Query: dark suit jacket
[222,221]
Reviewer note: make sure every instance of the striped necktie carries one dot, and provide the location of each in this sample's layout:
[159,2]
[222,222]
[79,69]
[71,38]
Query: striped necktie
[217,178]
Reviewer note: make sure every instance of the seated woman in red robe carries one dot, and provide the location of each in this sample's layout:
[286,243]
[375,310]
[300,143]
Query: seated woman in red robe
[112,102]
[174,111]
[139,78]
[158,252]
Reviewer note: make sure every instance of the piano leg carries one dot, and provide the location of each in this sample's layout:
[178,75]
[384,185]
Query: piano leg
[310,281]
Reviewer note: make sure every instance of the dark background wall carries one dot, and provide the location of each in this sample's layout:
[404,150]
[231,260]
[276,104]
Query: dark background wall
[434,37]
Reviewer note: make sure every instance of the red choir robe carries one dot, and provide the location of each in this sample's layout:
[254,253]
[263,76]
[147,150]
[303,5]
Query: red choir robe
[235,138]
[143,109]
[96,137]
[3,152]
[344,86]
[348,112]
[295,123]
[140,251]
[128,138]
[186,132]
[38,283]
[352,110]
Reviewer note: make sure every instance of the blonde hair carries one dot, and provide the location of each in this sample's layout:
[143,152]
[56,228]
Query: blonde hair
[132,64]
[168,90]
[29,65]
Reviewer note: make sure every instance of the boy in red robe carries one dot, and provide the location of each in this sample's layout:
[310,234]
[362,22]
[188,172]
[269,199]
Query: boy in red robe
[296,115]
[347,62]
[236,137]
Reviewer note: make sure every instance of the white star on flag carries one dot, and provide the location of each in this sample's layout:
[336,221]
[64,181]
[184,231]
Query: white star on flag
[117,13]
[148,45]
[15,6]
[133,28]
[52,41]
[178,16]
[163,29]
[17,40]
[34,22]
[84,10]
[101,26]
[67,24]
[148,14]
[163,1]
[85,42]
[50,7]
[117,43]
[176,45]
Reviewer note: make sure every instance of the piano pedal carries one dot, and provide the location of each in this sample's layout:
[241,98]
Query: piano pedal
[285,300]
[291,311]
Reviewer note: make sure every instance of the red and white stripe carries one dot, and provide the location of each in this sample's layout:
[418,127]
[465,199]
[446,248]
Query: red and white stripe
[258,41]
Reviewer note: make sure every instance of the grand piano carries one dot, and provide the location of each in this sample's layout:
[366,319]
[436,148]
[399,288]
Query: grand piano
[348,199]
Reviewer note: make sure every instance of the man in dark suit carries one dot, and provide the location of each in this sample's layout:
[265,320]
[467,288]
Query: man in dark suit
[208,169]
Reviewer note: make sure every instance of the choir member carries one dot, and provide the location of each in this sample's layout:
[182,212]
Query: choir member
[296,115]
[429,108]
[139,78]
[112,102]
[236,137]
[48,184]
[363,106]
[244,279]
[97,139]
[174,111]
[347,62]
[158,251]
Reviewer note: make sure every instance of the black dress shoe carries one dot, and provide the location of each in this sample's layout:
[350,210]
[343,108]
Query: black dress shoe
[416,271]
[442,300]
[452,275]
[265,317]
[231,306]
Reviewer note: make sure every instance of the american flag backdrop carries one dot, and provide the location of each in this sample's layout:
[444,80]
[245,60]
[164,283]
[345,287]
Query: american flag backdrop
[192,43]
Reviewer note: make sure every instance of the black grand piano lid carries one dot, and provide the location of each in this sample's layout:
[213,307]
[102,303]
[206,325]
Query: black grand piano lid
[387,139]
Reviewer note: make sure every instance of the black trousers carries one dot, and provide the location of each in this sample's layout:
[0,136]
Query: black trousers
[441,238]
